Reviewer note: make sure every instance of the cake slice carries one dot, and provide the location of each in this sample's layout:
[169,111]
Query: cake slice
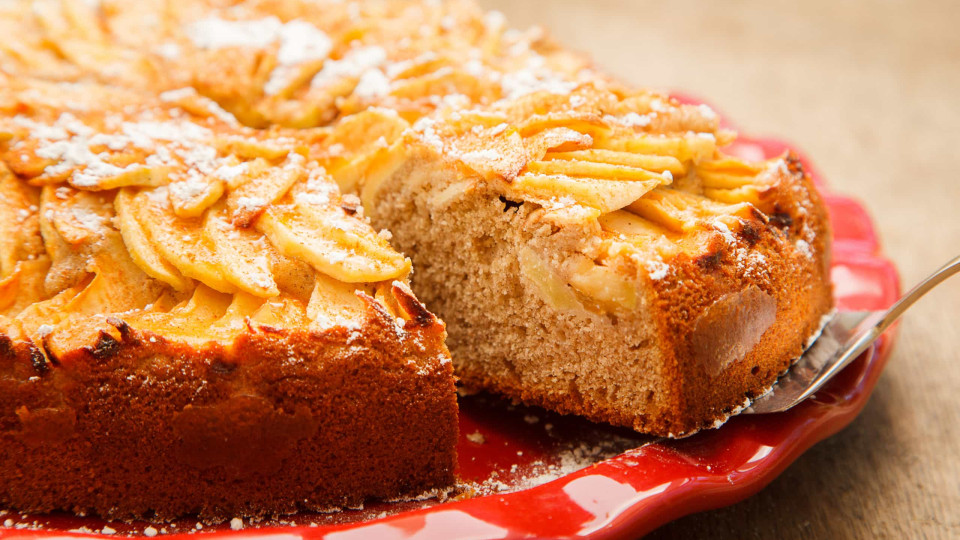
[595,252]
[194,320]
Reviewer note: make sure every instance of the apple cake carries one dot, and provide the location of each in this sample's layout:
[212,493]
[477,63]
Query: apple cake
[194,291]
[194,320]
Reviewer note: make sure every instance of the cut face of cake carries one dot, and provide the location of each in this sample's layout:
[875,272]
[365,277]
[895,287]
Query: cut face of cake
[188,304]
[597,253]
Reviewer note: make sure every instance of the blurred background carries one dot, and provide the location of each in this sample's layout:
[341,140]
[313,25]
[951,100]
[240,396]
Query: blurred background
[870,91]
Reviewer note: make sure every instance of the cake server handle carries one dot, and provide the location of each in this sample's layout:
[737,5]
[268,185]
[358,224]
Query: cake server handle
[841,341]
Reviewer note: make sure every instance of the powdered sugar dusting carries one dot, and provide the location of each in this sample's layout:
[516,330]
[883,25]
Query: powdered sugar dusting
[217,33]
[299,42]
[373,84]
[426,129]
[630,119]
[576,456]
[87,159]
[353,64]
[527,81]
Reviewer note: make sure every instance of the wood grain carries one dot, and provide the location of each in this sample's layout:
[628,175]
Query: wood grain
[871,91]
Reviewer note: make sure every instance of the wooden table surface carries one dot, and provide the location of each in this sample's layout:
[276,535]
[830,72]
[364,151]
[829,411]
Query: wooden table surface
[871,92]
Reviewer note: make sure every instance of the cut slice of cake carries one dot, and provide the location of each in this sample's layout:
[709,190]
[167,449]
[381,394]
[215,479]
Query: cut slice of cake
[193,320]
[595,252]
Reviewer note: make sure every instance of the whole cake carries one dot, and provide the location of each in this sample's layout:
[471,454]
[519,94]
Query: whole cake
[199,317]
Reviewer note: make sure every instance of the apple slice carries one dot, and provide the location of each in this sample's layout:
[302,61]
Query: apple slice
[295,235]
[643,161]
[602,284]
[550,287]
[132,175]
[241,307]
[191,197]
[250,199]
[188,320]
[243,255]
[605,195]
[590,169]
[332,222]
[680,212]
[280,312]
[250,148]
[24,286]
[49,312]
[334,303]
[141,249]
[688,147]
[358,132]
[117,286]
[179,241]
[19,222]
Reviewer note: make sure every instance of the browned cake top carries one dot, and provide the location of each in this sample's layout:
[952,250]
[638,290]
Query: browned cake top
[150,138]
[166,212]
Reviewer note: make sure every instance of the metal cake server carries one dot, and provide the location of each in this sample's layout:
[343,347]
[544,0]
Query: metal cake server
[841,340]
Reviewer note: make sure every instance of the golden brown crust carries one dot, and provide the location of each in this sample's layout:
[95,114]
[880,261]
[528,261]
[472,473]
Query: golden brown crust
[787,296]
[135,425]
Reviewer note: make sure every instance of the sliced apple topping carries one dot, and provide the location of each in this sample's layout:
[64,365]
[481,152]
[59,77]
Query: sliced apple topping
[280,312]
[357,142]
[630,225]
[557,139]
[168,214]
[345,256]
[359,133]
[188,320]
[117,286]
[680,211]
[242,306]
[649,162]
[591,169]
[731,180]
[72,224]
[192,196]
[605,195]
[584,123]
[19,222]
[728,173]
[249,199]
[180,242]
[24,286]
[40,317]
[334,303]
[243,255]
[251,147]
[695,147]
[142,250]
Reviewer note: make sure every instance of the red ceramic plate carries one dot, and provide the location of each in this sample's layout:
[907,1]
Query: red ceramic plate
[527,472]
